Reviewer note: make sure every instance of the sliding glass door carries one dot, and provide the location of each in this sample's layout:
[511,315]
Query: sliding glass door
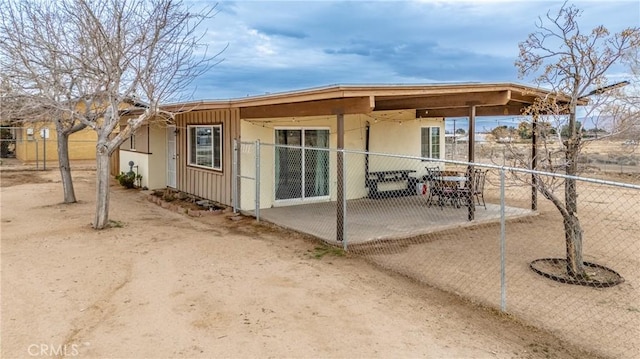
[301,173]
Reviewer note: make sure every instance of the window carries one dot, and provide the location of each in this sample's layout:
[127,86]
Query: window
[205,146]
[301,173]
[430,142]
[138,141]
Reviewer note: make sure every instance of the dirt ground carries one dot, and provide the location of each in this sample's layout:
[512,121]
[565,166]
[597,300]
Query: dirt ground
[162,284]
[467,261]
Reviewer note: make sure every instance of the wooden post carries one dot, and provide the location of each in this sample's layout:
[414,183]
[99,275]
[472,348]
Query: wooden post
[340,187]
[471,207]
[472,133]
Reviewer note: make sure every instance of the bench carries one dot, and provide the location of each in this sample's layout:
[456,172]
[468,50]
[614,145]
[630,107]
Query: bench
[374,178]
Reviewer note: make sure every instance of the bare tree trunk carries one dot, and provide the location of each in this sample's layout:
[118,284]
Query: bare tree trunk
[573,236]
[102,186]
[65,166]
[572,227]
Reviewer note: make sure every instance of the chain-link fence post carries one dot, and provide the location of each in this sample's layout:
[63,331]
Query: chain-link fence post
[44,151]
[503,284]
[344,202]
[340,199]
[37,160]
[257,176]
[234,176]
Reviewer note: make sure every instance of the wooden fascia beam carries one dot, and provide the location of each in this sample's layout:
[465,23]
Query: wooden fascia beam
[492,98]
[510,110]
[344,106]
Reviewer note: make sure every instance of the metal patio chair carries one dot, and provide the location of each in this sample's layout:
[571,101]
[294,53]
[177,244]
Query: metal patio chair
[445,191]
[478,188]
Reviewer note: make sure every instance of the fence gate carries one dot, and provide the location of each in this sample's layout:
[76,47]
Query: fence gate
[246,171]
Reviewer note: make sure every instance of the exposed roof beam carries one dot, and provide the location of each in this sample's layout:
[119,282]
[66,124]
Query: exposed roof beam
[507,110]
[512,109]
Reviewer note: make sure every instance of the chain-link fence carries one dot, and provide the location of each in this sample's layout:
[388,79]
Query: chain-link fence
[37,149]
[476,230]
[25,154]
[606,157]
[246,170]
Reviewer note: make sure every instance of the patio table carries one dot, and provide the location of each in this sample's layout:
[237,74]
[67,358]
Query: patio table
[459,179]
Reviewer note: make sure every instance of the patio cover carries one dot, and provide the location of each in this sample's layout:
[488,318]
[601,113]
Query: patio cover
[428,100]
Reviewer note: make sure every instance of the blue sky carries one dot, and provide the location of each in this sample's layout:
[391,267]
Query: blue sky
[276,46]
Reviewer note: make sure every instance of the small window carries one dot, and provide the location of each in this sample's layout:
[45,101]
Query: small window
[205,146]
[132,144]
[430,142]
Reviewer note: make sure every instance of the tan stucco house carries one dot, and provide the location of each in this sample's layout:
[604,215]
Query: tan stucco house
[39,142]
[194,154]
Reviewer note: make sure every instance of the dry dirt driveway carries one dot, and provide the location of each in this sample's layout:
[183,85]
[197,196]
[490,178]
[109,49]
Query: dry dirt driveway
[162,284]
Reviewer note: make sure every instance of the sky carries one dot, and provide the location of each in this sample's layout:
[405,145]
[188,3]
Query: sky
[279,46]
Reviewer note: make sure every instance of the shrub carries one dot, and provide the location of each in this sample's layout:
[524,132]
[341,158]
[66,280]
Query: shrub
[129,179]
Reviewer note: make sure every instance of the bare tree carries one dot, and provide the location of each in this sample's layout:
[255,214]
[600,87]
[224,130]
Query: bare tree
[574,65]
[626,106]
[106,55]
[38,81]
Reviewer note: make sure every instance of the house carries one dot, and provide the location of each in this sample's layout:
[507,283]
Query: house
[38,142]
[35,139]
[479,138]
[195,153]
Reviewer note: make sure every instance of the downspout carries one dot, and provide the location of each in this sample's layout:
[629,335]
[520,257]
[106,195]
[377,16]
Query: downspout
[148,137]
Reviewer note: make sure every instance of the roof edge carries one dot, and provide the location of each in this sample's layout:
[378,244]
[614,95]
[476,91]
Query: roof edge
[346,90]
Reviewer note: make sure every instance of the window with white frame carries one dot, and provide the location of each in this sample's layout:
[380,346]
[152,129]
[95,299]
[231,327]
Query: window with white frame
[430,142]
[205,146]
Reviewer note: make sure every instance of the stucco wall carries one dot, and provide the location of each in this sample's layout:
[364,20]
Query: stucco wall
[82,144]
[401,135]
[251,131]
[158,149]
[152,165]
[141,160]
[387,135]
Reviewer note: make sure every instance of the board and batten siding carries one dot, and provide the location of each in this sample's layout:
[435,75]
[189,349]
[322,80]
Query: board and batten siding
[209,184]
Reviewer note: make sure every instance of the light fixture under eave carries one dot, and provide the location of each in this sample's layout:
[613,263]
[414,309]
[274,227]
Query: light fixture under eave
[422,113]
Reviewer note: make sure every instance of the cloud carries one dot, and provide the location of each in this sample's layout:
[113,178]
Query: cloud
[275,31]
[286,45]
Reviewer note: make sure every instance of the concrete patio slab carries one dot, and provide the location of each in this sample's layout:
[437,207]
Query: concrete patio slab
[381,219]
